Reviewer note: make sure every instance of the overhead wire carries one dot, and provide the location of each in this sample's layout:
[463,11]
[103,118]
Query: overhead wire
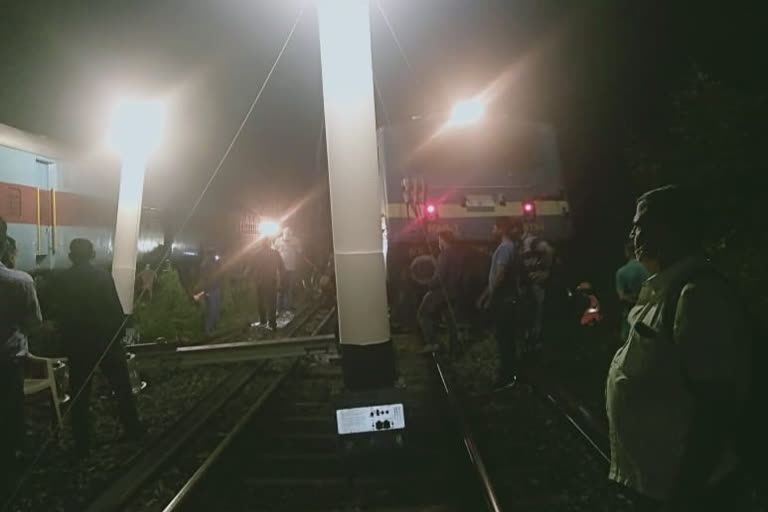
[25,477]
[424,219]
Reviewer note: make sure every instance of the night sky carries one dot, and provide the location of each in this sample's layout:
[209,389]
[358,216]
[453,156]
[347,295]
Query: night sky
[601,71]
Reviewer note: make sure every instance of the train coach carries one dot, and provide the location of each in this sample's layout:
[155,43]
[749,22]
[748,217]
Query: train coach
[50,194]
[438,177]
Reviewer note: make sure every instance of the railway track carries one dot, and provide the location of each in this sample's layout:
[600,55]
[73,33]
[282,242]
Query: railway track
[204,426]
[540,455]
[515,450]
[287,456]
[244,332]
[276,448]
[302,336]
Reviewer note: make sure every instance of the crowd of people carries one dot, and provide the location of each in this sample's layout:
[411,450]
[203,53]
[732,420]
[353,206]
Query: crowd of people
[271,267]
[680,388]
[89,320]
[676,389]
[515,293]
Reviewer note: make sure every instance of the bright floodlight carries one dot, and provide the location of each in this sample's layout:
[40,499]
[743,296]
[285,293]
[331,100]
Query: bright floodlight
[467,112]
[269,228]
[137,127]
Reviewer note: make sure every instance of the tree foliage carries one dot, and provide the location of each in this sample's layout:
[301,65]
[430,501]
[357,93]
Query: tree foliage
[714,144]
[171,313]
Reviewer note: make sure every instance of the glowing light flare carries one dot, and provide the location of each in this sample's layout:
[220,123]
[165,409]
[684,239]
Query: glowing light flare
[269,228]
[148,245]
[528,207]
[467,112]
[431,209]
[137,127]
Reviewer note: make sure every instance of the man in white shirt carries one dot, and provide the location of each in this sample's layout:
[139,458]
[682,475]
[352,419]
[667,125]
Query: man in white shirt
[19,312]
[677,386]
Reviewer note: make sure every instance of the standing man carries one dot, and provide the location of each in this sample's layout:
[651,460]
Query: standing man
[536,257]
[290,250]
[147,278]
[91,320]
[210,282]
[270,271]
[677,387]
[629,279]
[19,313]
[442,291]
[501,296]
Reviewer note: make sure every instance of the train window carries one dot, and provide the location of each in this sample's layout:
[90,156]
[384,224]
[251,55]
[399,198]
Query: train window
[13,202]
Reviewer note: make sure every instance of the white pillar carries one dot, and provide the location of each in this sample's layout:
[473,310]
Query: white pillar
[127,230]
[350,120]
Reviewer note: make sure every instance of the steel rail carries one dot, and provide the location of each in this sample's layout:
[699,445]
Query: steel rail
[221,337]
[302,318]
[578,428]
[324,321]
[562,403]
[149,461]
[222,353]
[178,500]
[475,458]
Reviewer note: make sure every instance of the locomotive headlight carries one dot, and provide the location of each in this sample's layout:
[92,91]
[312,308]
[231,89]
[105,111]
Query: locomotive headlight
[467,111]
[137,127]
[269,228]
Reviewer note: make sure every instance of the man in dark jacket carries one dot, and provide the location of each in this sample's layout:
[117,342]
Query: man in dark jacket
[91,321]
[442,291]
[270,269]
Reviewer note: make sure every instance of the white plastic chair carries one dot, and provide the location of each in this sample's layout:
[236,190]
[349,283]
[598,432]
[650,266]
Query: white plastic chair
[36,385]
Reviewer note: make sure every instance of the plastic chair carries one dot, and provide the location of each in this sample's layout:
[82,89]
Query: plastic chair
[34,385]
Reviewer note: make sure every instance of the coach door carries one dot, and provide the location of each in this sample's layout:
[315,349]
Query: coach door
[46,241]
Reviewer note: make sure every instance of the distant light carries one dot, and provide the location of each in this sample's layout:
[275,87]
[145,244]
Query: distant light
[269,227]
[467,112]
[148,245]
[431,209]
[217,257]
[190,253]
[137,127]
[528,207]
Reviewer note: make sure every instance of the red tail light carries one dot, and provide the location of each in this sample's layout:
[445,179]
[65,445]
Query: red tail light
[529,209]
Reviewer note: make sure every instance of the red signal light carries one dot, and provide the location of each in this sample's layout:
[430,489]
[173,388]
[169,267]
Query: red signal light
[529,209]
[431,209]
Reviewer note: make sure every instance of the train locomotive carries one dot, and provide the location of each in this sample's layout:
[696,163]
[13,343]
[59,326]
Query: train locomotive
[50,194]
[461,179]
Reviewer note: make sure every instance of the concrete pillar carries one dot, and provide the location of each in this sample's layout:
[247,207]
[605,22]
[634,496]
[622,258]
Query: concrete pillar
[127,230]
[350,121]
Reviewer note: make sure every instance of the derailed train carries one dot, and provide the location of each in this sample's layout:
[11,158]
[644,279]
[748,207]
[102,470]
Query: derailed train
[460,179]
[50,194]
